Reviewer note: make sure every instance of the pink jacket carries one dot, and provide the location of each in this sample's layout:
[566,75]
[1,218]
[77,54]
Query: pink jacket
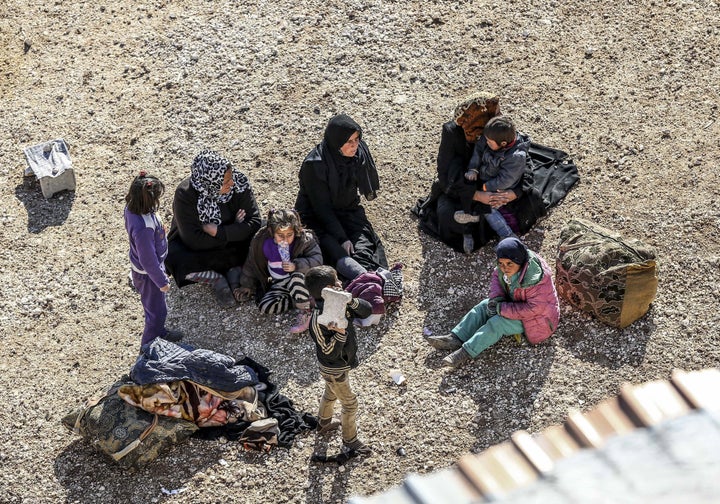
[535,303]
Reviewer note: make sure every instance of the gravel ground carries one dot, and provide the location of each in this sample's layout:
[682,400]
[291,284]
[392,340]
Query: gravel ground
[631,93]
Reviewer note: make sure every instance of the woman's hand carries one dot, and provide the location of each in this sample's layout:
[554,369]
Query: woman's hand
[501,198]
[210,228]
[240,216]
[495,199]
[482,196]
[348,246]
[242,294]
[288,266]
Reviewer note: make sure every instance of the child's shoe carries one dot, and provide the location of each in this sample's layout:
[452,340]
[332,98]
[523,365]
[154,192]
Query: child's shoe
[329,425]
[465,218]
[445,342]
[302,323]
[457,358]
[360,448]
[172,335]
[468,243]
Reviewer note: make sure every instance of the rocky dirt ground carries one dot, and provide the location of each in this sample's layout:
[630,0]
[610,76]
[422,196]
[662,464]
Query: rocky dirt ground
[630,92]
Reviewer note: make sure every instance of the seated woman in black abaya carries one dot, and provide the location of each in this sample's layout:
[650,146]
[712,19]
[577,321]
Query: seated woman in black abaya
[521,206]
[332,177]
[214,218]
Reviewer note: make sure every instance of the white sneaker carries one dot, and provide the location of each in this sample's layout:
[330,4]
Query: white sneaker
[465,218]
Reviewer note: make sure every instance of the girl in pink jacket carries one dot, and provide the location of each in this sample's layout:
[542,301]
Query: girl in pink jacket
[522,300]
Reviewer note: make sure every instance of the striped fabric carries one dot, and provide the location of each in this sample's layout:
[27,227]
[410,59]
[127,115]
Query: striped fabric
[284,293]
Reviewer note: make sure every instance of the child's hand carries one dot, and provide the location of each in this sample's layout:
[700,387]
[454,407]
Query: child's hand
[471,175]
[288,266]
[165,288]
[242,294]
[493,306]
[333,327]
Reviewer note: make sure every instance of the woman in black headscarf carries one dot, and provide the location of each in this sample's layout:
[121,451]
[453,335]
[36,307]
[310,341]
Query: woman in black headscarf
[332,177]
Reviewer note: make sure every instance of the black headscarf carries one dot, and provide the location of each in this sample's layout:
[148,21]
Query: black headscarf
[339,129]
[512,248]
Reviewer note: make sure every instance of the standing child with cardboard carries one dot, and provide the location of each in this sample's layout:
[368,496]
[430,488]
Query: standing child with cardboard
[336,349]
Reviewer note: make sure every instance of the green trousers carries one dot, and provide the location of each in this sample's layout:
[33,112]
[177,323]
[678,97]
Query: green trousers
[478,330]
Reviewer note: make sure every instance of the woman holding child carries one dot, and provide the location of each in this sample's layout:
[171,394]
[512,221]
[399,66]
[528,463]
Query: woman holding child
[520,205]
[332,177]
[214,218]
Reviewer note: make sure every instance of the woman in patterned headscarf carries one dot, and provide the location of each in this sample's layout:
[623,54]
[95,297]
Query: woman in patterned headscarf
[332,177]
[215,217]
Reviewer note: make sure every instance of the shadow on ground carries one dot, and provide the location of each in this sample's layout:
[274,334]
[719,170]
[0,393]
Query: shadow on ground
[43,213]
[90,478]
[590,340]
[507,378]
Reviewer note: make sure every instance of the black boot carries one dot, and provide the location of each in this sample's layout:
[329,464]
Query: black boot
[457,358]
[445,342]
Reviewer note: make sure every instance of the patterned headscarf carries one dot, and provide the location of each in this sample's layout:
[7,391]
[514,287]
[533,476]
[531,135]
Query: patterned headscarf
[474,112]
[207,173]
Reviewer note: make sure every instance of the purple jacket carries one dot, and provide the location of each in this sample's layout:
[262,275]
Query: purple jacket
[148,246]
[535,303]
[368,286]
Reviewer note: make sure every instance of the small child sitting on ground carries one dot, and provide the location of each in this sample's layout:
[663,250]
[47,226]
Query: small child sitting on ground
[279,256]
[497,164]
[336,351]
[522,300]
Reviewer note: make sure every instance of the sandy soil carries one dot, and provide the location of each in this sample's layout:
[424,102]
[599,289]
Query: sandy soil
[631,93]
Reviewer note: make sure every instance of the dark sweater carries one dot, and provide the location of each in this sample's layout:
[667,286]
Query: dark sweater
[337,352]
[187,227]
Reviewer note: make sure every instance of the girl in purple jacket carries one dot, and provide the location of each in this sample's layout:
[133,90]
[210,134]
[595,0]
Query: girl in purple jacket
[522,300]
[148,248]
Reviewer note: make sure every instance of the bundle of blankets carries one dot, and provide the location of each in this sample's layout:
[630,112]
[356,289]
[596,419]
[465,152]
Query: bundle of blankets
[205,392]
[379,288]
